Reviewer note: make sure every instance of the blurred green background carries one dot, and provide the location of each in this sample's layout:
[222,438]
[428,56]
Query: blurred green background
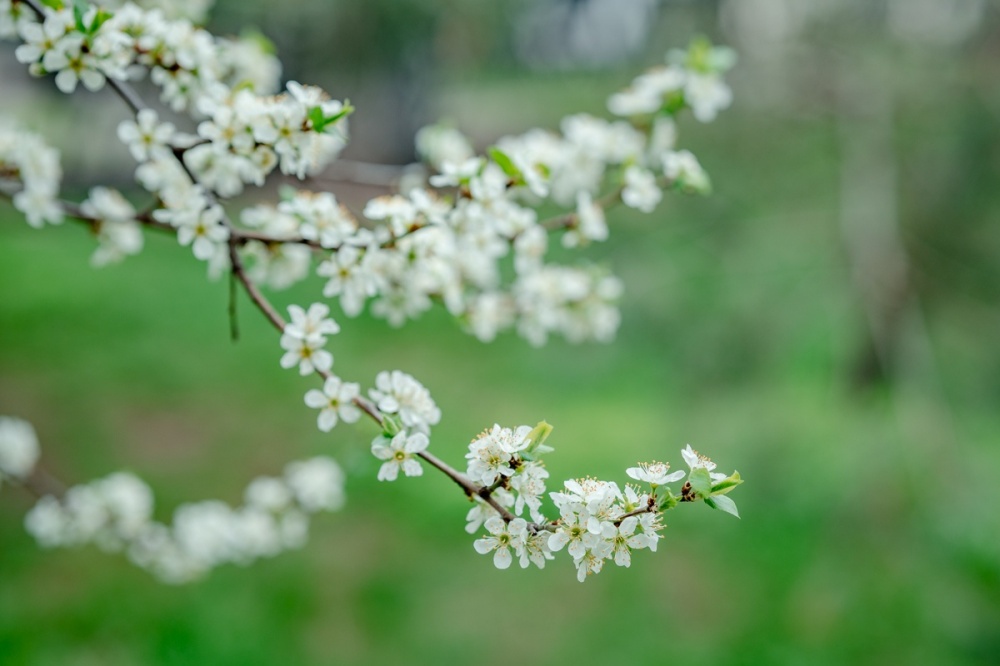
[826,323]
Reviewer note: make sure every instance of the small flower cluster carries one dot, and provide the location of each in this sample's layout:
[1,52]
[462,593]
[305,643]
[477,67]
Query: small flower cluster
[18,448]
[410,412]
[116,514]
[470,237]
[118,233]
[28,163]
[247,136]
[691,78]
[83,43]
[304,339]
[598,520]
[446,242]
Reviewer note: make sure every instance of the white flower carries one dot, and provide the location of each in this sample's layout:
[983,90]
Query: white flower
[592,561]
[312,324]
[129,503]
[18,447]
[307,353]
[695,461]
[683,168]
[267,494]
[47,522]
[707,94]
[118,234]
[481,511]
[320,218]
[399,453]
[440,145]
[145,137]
[572,530]
[350,277]
[536,550]
[317,483]
[596,499]
[490,454]
[655,473]
[502,538]
[529,482]
[623,539]
[641,191]
[590,223]
[335,401]
[399,392]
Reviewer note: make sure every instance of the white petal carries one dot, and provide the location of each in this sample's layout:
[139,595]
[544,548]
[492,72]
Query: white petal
[416,443]
[316,399]
[502,559]
[389,471]
[557,541]
[674,476]
[327,420]
[483,546]
[412,468]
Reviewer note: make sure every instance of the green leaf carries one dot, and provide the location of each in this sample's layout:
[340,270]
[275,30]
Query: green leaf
[391,425]
[669,501]
[701,482]
[320,121]
[100,19]
[256,36]
[54,4]
[723,503]
[727,484]
[673,103]
[504,162]
[79,9]
[537,437]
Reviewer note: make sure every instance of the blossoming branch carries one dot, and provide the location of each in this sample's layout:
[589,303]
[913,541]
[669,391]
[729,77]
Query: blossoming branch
[466,235]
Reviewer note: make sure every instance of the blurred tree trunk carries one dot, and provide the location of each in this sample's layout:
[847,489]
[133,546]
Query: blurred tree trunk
[869,221]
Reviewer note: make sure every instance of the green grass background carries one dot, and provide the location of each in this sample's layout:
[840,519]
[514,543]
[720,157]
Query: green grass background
[870,531]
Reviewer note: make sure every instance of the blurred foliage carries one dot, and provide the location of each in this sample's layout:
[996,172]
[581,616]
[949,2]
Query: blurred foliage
[869,531]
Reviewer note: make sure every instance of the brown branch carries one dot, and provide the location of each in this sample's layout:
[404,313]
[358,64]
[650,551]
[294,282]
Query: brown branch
[569,220]
[253,292]
[40,483]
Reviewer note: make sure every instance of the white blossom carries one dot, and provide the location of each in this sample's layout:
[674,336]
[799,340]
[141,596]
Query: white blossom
[655,473]
[641,191]
[146,137]
[335,402]
[397,392]
[502,538]
[399,453]
[316,484]
[18,447]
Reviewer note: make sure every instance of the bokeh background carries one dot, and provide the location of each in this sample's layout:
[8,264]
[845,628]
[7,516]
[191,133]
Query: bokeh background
[826,323]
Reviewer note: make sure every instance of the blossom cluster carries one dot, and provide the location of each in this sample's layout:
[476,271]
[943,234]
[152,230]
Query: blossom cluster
[116,514]
[445,240]
[30,169]
[466,234]
[18,448]
[598,520]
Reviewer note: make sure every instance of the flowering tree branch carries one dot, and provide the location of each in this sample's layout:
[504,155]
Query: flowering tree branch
[447,241]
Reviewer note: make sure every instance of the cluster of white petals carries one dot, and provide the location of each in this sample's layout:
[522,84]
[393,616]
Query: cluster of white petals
[30,172]
[692,78]
[116,514]
[597,520]
[18,448]
[399,393]
[468,237]
[304,339]
[118,233]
